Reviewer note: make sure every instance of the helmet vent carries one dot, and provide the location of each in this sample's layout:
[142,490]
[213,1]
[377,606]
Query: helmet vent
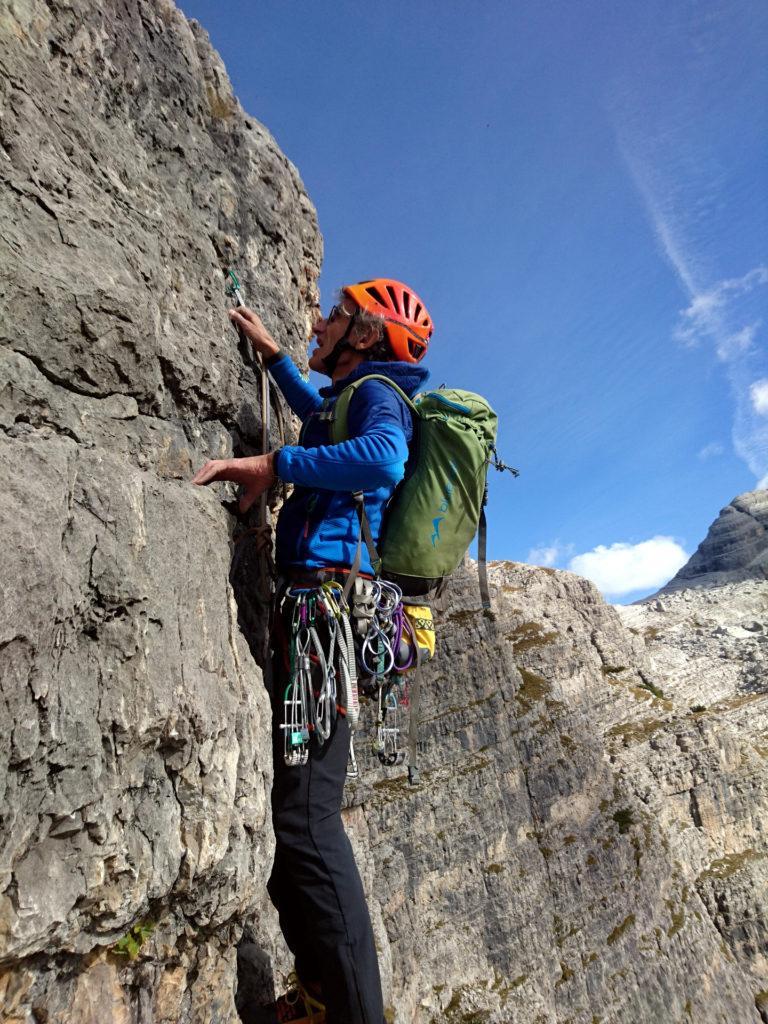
[407,324]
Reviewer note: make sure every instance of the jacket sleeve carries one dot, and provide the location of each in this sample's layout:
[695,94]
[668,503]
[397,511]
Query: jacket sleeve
[299,393]
[374,456]
[375,459]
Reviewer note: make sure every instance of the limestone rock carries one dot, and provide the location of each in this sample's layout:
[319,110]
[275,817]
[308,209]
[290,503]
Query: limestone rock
[735,548]
[588,842]
[711,770]
[134,776]
[585,845]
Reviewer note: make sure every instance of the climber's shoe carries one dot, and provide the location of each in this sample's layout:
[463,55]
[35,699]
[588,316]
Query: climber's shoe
[299,1005]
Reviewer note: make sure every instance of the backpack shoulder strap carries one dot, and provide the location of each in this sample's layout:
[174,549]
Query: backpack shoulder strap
[338,416]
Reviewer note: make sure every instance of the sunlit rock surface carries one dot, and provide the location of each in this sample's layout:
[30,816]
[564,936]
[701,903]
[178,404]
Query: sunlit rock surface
[735,548]
[134,775]
[588,842]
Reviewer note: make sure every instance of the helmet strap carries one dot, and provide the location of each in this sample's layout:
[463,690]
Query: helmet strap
[332,359]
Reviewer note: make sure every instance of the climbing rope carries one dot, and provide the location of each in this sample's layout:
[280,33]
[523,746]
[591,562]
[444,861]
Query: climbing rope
[263,532]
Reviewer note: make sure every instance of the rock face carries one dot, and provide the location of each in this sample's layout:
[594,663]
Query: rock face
[133,772]
[735,548]
[587,845]
[710,649]
[589,841]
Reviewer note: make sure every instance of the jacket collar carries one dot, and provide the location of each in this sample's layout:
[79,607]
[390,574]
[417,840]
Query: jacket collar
[409,376]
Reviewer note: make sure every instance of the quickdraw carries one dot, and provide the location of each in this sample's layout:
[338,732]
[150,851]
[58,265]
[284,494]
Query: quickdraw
[328,639]
[310,697]
[387,744]
[385,654]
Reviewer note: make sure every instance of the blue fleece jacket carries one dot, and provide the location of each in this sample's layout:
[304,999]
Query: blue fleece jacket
[318,525]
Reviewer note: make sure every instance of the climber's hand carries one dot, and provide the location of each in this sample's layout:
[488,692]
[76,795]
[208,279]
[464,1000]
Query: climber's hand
[255,473]
[254,330]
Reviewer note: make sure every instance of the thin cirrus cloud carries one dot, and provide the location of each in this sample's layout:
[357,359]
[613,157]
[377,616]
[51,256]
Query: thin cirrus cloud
[619,569]
[696,194]
[725,315]
[718,314]
[759,395]
[711,451]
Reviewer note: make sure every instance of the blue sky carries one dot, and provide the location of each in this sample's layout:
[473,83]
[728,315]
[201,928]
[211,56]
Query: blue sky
[578,192]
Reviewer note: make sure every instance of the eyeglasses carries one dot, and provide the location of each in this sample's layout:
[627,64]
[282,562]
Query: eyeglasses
[336,311]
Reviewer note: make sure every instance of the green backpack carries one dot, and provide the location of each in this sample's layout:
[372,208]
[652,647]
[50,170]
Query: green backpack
[439,506]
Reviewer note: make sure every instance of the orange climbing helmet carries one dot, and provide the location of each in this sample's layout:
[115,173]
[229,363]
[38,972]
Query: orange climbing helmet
[408,325]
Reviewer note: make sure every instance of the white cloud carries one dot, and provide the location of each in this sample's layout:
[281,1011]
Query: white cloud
[621,568]
[542,556]
[717,314]
[759,395]
[693,197]
[549,554]
[711,451]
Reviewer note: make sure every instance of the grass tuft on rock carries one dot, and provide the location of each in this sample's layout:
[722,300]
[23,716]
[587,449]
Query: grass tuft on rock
[534,689]
[619,930]
[625,819]
[130,944]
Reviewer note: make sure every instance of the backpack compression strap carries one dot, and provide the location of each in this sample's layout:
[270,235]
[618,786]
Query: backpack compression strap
[365,535]
[338,430]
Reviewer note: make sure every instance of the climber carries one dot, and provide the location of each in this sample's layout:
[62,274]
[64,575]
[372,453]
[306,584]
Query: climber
[382,327]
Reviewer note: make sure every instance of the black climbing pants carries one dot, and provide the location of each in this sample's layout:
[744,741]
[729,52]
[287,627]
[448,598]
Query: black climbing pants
[315,884]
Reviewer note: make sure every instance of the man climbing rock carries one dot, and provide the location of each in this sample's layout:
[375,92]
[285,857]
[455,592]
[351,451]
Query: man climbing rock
[377,327]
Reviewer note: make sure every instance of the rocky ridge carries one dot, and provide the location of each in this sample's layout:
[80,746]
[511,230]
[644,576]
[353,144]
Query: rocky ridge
[735,548]
[588,844]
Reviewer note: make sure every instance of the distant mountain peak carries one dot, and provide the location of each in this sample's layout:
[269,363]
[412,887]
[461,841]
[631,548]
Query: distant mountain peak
[735,548]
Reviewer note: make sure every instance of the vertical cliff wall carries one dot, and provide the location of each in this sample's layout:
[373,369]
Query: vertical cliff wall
[134,792]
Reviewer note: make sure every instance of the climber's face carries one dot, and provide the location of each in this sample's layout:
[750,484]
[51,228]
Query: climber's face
[328,330]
